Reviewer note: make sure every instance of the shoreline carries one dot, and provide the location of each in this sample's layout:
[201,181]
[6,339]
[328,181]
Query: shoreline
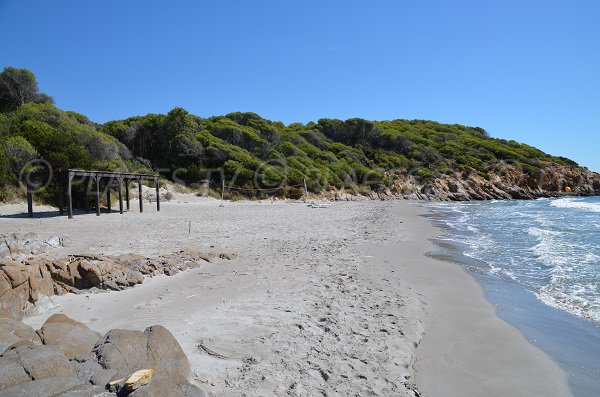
[334,300]
[467,349]
[572,341]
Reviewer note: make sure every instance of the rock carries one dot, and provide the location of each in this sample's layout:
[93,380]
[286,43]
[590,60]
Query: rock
[56,386]
[504,181]
[13,331]
[11,373]
[86,391]
[89,371]
[166,353]
[123,351]
[40,362]
[138,378]
[22,283]
[15,275]
[127,351]
[70,336]
[17,247]
[56,241]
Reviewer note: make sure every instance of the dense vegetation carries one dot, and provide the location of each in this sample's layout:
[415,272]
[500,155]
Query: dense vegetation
[245,149]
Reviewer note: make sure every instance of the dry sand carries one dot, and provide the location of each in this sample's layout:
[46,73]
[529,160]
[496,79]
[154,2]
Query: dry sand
[332,301]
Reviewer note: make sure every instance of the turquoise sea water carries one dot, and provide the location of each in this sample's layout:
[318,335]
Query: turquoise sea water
[539,263]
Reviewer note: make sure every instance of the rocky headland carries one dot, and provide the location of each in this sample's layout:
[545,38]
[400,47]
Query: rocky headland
[503,183]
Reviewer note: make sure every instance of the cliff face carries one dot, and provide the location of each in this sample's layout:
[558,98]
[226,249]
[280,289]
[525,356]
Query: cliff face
[509,182]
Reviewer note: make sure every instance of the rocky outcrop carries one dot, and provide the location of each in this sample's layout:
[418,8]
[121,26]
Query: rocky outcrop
[22,282]
[505,182]
[508,182]
[70,366]
[16,247]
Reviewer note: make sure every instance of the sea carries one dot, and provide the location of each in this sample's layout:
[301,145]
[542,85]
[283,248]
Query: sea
[539,264]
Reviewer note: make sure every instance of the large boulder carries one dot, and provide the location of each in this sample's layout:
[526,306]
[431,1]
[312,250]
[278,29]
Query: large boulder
[71,337]
[122,350]
[35,371]
[28,369]
[165,352]
[128,351]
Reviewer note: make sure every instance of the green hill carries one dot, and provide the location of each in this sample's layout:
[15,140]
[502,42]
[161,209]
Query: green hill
[253,153]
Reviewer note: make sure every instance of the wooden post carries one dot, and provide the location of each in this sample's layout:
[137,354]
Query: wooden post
[127,193]
[157,195]
[305,189]
[140,195]
[86,196]
[61,193]
[108,203]
[97,178]
[120,195]
[69,195]
[222,192]
[29,202]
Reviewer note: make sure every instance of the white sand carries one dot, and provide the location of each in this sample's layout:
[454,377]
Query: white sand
[330,300]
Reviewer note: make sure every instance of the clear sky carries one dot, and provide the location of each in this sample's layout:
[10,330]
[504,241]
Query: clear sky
[525,70]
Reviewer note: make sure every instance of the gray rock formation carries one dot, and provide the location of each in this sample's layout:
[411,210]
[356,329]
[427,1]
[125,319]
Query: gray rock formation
[127,351]
[65,361]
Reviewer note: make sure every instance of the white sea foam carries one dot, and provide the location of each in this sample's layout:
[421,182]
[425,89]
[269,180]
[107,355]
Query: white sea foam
[572,301]
[555,254]
[575,204]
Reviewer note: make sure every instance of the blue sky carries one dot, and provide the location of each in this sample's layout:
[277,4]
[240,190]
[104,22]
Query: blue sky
[524,70]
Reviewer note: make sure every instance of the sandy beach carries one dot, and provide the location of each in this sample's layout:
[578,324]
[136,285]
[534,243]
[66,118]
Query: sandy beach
[333,301]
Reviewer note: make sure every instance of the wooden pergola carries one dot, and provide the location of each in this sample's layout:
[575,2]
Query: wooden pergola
[65,184]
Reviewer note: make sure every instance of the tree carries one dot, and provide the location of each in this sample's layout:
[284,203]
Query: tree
[18,152]
[19,86]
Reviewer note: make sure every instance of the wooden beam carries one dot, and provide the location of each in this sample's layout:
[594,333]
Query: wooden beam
[140,195]
[97,178]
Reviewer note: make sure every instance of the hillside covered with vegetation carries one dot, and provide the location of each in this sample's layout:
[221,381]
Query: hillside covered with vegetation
[250,152]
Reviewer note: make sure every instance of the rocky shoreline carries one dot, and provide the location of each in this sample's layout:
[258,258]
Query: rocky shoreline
[22,282]
[66,358]
[502,184]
